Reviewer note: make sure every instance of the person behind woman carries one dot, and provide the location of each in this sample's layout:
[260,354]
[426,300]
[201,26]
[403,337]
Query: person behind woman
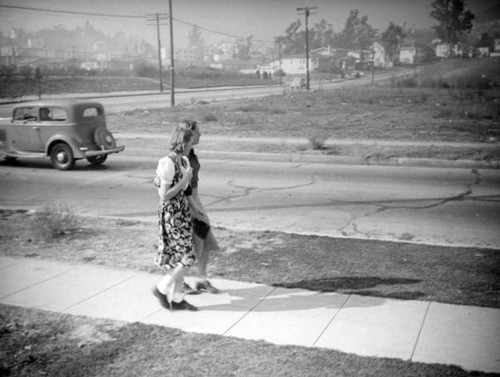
[175,249]
[204,240]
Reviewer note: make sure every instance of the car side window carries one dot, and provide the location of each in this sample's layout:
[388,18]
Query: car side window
[92,112]
[26,114]
[52,114]
[58,114]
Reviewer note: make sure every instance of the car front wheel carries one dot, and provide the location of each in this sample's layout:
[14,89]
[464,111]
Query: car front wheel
[97,160]
[61,157]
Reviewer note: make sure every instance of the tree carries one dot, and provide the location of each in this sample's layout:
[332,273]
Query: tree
[392,37]
[453,20]
[294,41]
[195,37]
[357,32]
[243,48]
[196,42]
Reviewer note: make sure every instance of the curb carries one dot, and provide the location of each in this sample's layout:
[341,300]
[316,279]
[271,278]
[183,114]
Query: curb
[342,160]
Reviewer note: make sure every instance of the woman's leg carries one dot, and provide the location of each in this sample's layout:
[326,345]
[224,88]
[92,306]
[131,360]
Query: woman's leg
[167,284]
[203,251]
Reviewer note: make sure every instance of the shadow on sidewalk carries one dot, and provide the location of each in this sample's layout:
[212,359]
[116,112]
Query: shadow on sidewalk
[287,298]
[357,285]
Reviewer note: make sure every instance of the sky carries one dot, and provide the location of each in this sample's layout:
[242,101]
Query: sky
[218,20]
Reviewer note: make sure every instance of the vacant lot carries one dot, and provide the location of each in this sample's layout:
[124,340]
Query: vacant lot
[363,113]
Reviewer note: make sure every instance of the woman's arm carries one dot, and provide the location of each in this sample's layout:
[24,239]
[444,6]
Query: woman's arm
[198,210]
[166,192]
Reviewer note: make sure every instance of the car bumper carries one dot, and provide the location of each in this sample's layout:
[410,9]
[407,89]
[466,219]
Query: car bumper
[103,151]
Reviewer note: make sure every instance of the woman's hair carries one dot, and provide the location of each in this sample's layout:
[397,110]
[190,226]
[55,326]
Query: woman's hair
[179,138]
[188,124]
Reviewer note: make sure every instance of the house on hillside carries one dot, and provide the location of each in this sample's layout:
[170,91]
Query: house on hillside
[8,54]
[407,55]
[442,50]
[496,48]
[295,64]
[378,55]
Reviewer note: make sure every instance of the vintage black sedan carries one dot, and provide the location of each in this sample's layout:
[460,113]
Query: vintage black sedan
[62,130]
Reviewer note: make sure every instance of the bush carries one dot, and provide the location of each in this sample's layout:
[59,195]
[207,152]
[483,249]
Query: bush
[146,70]
[26,72]
[209,117]
[52,221]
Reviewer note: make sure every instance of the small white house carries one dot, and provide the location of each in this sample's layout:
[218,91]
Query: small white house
[378,55]
[407,55]
[496,48]
[442,50]
[295,64]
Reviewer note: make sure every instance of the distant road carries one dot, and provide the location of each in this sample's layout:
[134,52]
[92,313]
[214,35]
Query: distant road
[189,96]
[114,102]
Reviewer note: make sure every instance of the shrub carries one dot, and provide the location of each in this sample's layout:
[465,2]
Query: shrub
[317,140]
[26,72]
[209,117]
[409,82]
[52,221]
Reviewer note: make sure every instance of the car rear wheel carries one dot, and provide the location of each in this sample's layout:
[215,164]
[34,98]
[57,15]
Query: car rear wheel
[10,158]
[97,160]
[61,157]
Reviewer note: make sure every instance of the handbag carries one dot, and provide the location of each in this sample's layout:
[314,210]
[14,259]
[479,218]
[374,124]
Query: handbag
[200,228]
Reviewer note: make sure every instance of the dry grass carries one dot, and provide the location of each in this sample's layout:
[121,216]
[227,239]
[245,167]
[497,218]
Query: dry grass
[354,113]
[452,275]
[38,343]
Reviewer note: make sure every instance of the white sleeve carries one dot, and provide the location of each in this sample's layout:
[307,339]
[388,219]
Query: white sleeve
[166,170]
[183,169]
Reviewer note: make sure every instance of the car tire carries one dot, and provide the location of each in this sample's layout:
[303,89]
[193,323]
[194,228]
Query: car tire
[97,160]
[103,138]
[10,158]
[62,157]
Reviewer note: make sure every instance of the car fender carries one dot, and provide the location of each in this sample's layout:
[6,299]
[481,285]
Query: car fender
[73,143]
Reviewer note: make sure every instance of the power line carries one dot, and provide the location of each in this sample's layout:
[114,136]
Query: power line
[218,32]
[95,14]
[70,12]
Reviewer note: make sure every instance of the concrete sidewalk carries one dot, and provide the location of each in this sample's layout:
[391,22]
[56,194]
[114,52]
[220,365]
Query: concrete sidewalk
[419,331]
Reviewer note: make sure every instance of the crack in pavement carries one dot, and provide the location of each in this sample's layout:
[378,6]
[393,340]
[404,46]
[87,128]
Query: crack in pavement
[476,180]
[383,205]
[248,190]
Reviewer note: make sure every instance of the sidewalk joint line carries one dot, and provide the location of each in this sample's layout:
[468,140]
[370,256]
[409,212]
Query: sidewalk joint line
[39,282]
[420,331]
[98,293]
[249,311]
[331,320]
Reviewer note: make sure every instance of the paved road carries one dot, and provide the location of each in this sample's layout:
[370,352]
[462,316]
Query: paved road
[425,205]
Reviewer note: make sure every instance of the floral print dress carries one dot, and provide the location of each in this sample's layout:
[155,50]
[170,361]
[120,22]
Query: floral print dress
[174,227]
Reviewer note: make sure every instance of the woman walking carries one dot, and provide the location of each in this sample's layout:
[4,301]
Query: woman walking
[175,250]
[204,239]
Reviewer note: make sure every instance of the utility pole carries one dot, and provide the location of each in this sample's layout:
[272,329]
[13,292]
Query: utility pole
[279,60]
[172,79]
[159,51]
[157,18]
[307,12]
